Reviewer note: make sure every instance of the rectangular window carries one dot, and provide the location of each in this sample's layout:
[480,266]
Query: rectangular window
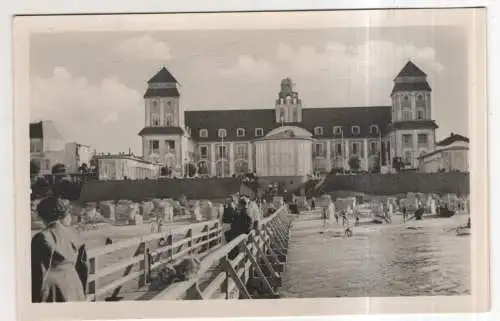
[355,129]
[355,148]
[259,132]
[407,141]
[170,145]
[203,151]
[339,149]
[169,119]
[221,152]
[422,140]
[373,148]
[241,151]
[318,149]
[406,114]
[203,133]
[240,132]
[420,114]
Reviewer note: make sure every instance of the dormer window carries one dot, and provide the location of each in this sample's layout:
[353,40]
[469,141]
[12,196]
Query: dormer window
[337,130]
[259,132]
[240,132]
[318,131]
[203,133]
[355,130]
[221,133]
[373,129]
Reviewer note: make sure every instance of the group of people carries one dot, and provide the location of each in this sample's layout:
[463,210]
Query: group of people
[239,219]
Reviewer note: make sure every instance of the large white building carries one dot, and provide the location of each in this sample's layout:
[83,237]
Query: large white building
[451,155]
[125,166]
[48,148]
[290,139]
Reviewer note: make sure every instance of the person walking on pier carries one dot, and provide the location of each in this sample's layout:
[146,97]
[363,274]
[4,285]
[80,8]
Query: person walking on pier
[241,224]
[59,268]
[227,218]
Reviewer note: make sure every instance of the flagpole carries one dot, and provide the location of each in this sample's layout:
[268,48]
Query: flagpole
[222,154]
[343,147]
[380,148]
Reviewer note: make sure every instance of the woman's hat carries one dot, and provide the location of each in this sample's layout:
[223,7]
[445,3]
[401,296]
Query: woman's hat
[52,209]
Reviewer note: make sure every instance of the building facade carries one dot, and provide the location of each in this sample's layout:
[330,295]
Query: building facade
[451,154]
[266,141]
[125,166]
[48,148]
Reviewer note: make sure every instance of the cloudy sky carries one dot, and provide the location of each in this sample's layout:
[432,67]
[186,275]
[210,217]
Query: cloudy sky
[91,84]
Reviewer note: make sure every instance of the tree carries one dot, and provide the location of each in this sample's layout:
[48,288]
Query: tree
[354,163]
[34,168]
[84,168]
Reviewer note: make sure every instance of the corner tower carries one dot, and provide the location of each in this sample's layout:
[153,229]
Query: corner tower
[288,104]
[164,129]
[412,129]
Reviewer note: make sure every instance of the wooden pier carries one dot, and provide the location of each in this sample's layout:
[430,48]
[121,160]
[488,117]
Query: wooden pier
[254,273]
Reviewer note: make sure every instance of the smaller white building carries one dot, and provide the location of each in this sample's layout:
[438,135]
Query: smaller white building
[284,151]
[451,155]
[75,155]
[125,166]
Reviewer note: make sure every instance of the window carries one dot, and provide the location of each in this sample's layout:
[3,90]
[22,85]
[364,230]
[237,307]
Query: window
[155,120]
[154,145]
[355,129]
[203,133]
[422,139]
[355,148]
[240,132]
[420,114]
[406,115]
[170,145]
[155,113]
[373,148]
[406,102]
[408,157]
[221,152]
[318,131]
[203,152]
[259,132]
[407,141]
[169,119]
[318,149]
[241,150]
[337,130]
[338,149]
[373,129]
[420,101]
[288,99]
[221,133]
[295,115]
[282,114]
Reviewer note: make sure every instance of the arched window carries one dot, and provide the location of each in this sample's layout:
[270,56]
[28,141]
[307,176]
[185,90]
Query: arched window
[203,133]
[221,133]
[373,129]
[355,130]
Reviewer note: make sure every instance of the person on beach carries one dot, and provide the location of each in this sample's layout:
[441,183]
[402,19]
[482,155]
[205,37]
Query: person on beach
[313,204]
[405,214]
[324,216]
[59,268]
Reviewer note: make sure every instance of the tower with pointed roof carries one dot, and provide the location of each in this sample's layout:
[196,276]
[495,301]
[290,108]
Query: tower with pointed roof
[288,104]
[412,131]
[164,136]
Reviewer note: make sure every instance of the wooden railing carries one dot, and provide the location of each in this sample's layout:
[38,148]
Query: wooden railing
[260,260]
[129,263]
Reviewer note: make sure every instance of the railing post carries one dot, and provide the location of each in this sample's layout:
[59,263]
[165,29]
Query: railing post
[92,285]
[143,265]
[189,235]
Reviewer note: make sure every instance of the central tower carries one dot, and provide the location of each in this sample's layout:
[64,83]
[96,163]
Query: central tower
[288,104]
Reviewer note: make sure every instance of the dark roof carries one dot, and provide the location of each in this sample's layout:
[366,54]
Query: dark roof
[162,76]
[411,70]
[231,120]
[414,124]
[411,86]
[451,139]
[346,117]
[250,119]
[161,131]
[161,92]
[36,130]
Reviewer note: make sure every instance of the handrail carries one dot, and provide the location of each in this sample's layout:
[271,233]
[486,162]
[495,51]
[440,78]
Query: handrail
[198,237]
[180,289]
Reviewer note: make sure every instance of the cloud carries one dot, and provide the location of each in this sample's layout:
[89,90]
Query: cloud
[86,112]
[143,48]
[349,75]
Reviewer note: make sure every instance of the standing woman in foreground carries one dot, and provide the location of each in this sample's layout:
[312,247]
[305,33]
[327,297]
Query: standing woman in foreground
[58,261]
